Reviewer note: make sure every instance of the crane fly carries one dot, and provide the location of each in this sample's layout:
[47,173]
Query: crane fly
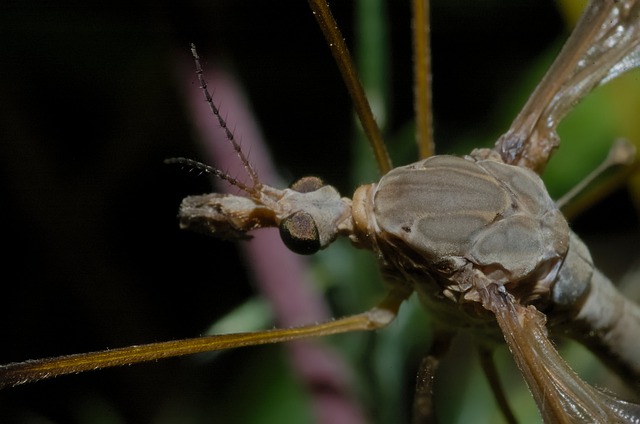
[511,304]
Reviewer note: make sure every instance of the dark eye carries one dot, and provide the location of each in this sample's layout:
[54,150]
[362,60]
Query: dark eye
[300,234]
[307,184]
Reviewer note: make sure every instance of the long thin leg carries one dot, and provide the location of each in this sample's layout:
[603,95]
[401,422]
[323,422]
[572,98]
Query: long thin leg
[491,372]
[422,78]
[345,64]
[29,371]
[423,411]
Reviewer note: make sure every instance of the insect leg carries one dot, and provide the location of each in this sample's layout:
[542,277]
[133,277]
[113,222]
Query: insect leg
[490,371]
[423,410]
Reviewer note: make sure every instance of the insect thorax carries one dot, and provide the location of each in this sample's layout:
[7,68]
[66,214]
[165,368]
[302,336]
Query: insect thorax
[451,225]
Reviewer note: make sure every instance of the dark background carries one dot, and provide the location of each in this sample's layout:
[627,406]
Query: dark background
[89,108]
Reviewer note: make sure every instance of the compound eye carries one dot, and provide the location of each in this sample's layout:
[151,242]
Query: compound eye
[300,233]
[307,184]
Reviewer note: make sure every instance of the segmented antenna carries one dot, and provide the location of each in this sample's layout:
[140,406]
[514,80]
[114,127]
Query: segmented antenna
[203,167]
[257,185]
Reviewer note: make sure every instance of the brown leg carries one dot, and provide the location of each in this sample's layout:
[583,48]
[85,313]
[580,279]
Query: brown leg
[423,410]
[490,371]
